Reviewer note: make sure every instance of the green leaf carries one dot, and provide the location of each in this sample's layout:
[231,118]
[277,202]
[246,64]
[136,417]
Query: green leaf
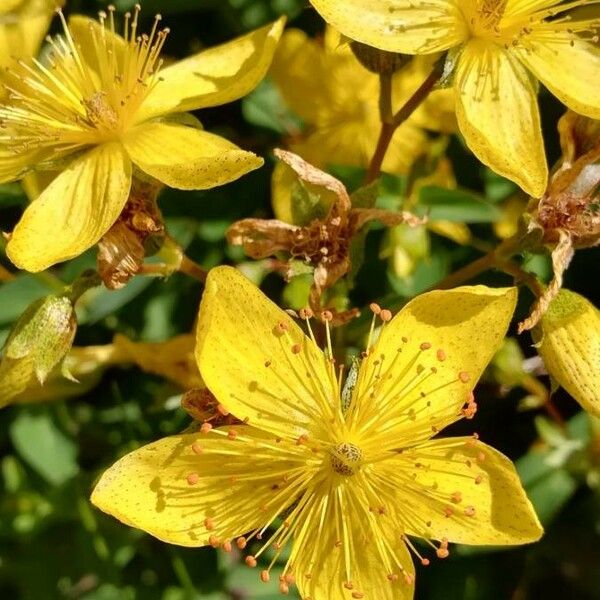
[265,107]
[462,206]
[43,446]
[18,294]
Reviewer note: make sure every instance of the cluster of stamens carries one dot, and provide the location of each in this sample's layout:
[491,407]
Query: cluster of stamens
[322,479]
[64,103]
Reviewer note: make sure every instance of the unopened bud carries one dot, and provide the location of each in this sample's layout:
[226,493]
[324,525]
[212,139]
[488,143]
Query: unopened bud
[379,61]
[568,340]
[43,334]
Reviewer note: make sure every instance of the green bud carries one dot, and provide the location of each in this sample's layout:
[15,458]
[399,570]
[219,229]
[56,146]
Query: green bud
[568,340]
[507,365]
[43,335]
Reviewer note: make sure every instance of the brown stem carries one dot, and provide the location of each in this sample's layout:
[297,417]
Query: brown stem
[497,258]
[386,110]
[5,274]
[193,269]
[388,128]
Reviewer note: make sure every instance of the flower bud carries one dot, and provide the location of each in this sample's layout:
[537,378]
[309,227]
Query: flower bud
[379,61]
[43,335]
[568,340]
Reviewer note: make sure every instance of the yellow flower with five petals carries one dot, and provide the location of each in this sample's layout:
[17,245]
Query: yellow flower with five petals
[342,477]
[496,46]
[101,104]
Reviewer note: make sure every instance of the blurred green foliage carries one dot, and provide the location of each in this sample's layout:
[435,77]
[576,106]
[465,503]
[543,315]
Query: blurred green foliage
[55,545]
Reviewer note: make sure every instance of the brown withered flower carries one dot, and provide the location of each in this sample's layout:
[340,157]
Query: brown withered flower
[137,233]
[567,217]
[324,243]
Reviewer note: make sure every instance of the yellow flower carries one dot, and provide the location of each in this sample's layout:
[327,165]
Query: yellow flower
[23,25]
[337,98]
[102,104]
[497,45]
[341,477]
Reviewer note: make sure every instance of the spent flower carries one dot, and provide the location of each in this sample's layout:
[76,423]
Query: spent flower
[340,478]
[323,243]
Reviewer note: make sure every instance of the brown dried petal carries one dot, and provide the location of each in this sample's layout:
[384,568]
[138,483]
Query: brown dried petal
[203,407]
[311,174]
[261,238]
[120,256]
[360,216]
[561,257]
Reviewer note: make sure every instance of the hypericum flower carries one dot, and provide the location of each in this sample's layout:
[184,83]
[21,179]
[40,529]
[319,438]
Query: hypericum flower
[101,104]
[497,43]
[23,25]
[338,478]
[337,98]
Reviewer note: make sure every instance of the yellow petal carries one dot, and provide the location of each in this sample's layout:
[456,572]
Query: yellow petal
[85,30]
[457,232]
[187,158]
[173,359]
[14,166]
[463,491]
[183,497]
[300,73]
[215,76]
[568,340]
[74,211]
[568,66]
[428,359]
[368,573]
[247,360]
[397,25]
[498,115]
[22,31]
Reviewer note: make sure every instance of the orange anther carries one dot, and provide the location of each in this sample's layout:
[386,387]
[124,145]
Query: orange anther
[306,313]
[327,316]
[448,511]
[392,577]
[375,308]
[349,585]
[478,479]
[456,497]
[250,561]
[357,595]
[232,434]
[284,588]
[222,410]
[213,540]
[264,576]
[227,546]
[425,562]
[205,427]
[296,349]
[289,578]
[441,355]
[241,543]
[196,448]
[209,524]
[470,511]
[425,346]
[193,478]
[385,315]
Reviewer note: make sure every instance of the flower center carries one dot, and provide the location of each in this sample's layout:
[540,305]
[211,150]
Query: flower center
[486,16]
[346,459]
